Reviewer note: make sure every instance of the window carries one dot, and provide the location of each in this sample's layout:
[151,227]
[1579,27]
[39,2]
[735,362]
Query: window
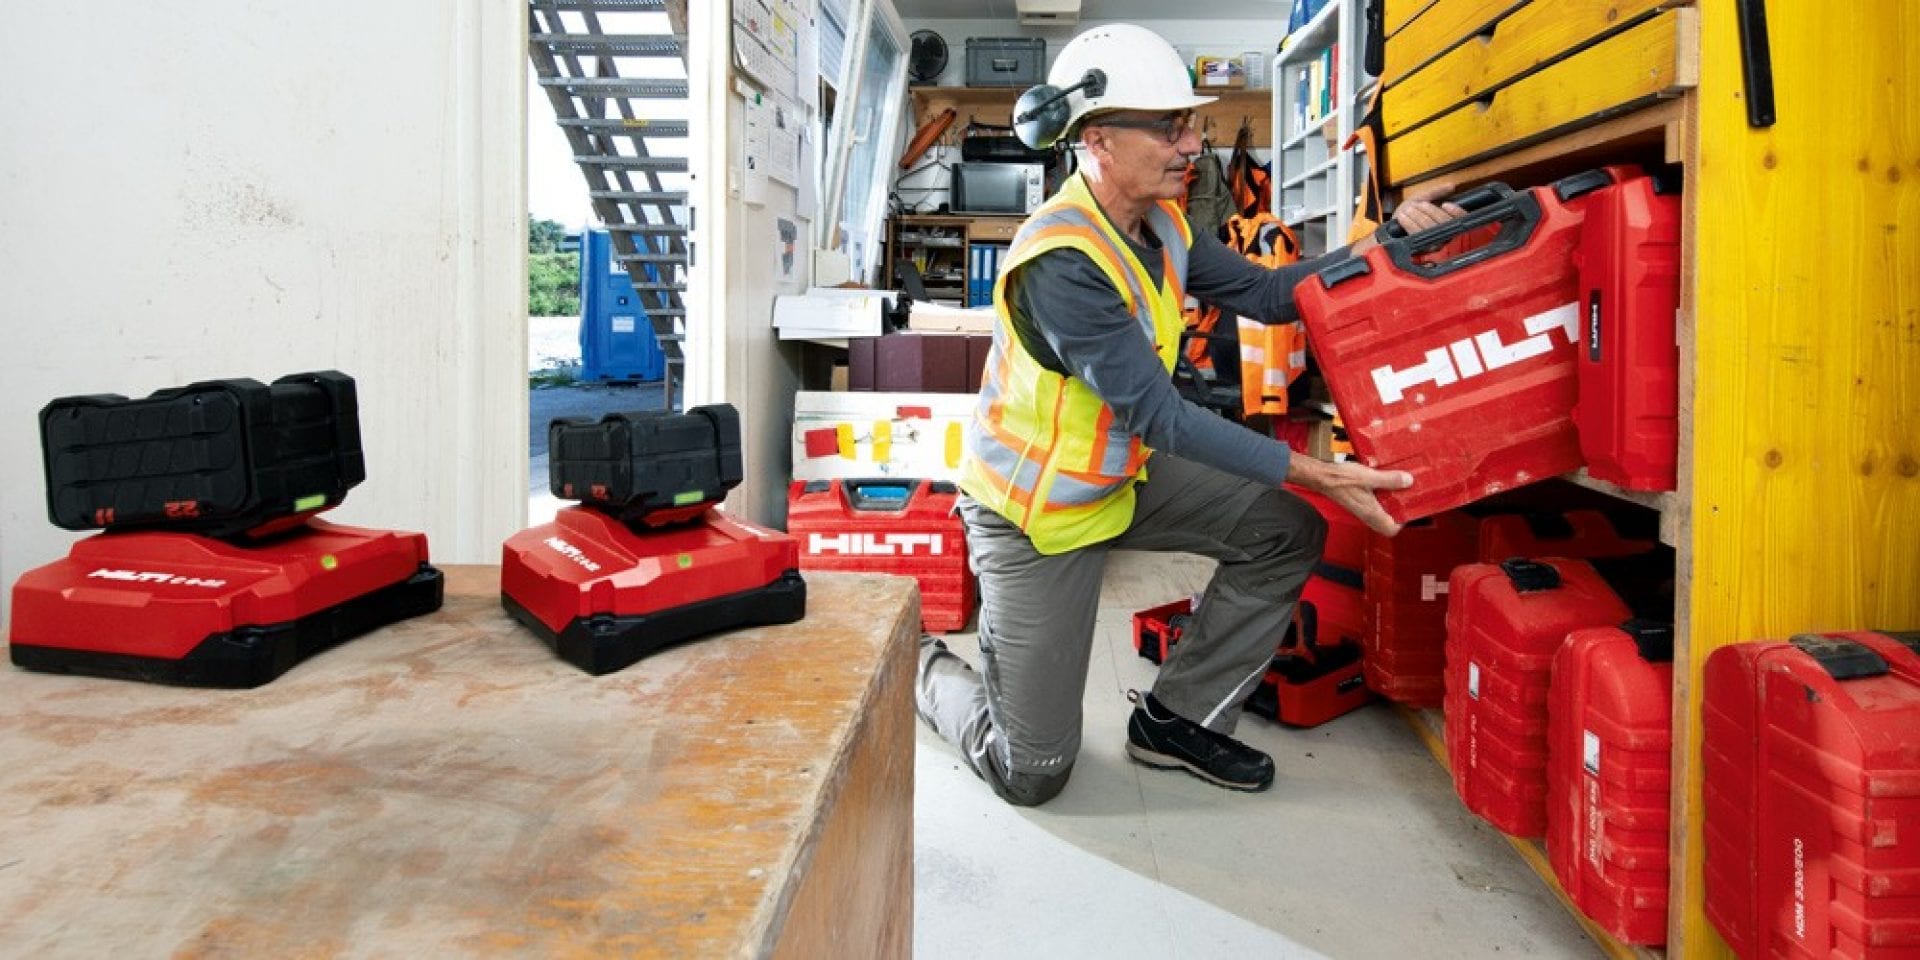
[870,77]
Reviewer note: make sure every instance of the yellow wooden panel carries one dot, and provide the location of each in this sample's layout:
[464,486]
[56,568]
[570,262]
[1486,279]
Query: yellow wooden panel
[1444,24]
[1634,68]
[1805,462]
[1400,12]
[1536,34]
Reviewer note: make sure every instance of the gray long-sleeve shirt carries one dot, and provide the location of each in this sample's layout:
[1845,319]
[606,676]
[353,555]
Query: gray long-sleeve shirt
[1073,322]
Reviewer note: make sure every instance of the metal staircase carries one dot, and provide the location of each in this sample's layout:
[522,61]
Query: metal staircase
[613,70]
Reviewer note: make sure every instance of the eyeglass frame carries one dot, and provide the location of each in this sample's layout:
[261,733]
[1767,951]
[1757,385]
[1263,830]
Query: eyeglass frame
[1170,129]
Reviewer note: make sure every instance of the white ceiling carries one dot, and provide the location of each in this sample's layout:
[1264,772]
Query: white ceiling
[1099,9]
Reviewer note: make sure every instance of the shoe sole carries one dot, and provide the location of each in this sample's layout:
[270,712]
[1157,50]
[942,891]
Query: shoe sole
[1162,761]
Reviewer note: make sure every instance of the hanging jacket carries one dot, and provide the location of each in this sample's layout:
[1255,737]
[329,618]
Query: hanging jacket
[1208,202]
[1044,451]
[1249,182]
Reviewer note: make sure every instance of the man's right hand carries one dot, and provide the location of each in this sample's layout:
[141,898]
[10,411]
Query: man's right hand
[1352,486]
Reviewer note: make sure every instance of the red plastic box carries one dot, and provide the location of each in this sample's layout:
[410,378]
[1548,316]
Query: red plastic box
[1406,597]
[1579,534]
[1609,760]
[1629,359]
[1504,625]
[1314,676]
[904,527]
[1157,629]
[1459,369]
[1811,752]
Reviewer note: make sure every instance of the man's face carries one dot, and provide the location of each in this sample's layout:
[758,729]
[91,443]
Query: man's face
[1145,154]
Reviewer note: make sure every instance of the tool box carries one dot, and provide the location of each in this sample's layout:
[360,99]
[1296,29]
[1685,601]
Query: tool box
[1629,358]
[647,560]
[1504,625]
[1314,675]
[215,458]
[1406,598]
[1812,795]
[1157,629]
[902,527]
[1609,761]
[1576,534]
[1459,368]
[211,570]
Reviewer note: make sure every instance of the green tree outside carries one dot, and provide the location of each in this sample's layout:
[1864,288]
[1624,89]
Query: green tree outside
[553,277]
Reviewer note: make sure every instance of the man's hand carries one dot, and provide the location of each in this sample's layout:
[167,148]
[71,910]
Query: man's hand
[1351,486]
[1420,210]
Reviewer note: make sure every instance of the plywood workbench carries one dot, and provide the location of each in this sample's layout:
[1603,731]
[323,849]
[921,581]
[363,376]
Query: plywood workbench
[447,787]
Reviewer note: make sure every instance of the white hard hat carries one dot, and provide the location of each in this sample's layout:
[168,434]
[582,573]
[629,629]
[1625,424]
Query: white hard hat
[1142,72]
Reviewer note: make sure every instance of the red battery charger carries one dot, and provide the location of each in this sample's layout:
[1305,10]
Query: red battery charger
[1811,757]
[211,570]
[1459,368]
[902,527]
[648,560]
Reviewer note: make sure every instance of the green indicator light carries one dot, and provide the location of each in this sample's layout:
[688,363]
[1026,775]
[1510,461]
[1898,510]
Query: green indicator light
[691,496]
[314,502]
[329,561]
[686,560]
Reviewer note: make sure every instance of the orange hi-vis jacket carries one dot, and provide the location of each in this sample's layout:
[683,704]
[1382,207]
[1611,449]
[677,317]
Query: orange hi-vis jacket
[1044,451]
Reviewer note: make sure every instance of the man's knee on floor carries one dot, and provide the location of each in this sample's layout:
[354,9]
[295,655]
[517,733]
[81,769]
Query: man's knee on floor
[1033,789]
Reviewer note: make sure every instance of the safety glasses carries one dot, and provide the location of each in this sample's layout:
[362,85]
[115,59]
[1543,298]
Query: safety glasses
[1170,129]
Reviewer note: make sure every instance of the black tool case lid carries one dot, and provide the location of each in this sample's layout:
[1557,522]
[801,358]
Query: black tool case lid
[216,458]
[638,464]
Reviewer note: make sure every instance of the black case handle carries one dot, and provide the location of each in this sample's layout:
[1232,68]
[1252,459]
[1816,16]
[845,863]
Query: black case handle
[1843,659]
[1530,576]
[1518,215]
[1652,637]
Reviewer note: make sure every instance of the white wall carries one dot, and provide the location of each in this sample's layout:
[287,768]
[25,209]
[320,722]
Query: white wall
[733,355]
[242,189]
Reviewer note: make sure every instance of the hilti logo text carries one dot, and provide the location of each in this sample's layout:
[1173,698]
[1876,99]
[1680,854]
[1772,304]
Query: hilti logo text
[573,553]
[885,545]
[1470,357]
[152,576]
[1431,587]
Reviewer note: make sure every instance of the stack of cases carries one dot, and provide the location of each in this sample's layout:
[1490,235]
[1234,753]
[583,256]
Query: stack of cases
[1504,625]
[1609,757]
[1406,597]
[902,527]
[1812,795]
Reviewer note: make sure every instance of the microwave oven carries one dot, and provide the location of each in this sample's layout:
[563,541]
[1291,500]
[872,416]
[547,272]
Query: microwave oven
[988,187]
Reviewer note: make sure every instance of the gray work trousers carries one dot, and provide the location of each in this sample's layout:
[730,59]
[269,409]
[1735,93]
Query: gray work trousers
[1017,720]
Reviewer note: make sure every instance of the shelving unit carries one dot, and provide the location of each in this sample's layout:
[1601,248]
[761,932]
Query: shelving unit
[994,105]
[1315,181]
[942,246]
[1799,489]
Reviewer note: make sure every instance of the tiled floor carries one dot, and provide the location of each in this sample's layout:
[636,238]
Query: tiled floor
[1359,850]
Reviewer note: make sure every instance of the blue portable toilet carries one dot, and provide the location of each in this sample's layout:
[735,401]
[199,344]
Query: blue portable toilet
[616,335]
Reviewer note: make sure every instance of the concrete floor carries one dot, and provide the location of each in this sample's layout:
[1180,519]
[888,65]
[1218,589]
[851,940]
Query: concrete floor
[1359,850]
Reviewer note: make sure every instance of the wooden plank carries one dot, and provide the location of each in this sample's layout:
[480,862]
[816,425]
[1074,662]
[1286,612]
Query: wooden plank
[1631,70]
[1436,31]
[1805,476]
[1662,503]
[1606,142]
[1537,35]
[1430,726]
[1399,13]
[446,786]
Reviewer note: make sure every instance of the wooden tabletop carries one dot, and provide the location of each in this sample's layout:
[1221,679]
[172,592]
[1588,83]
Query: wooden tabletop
[447,786]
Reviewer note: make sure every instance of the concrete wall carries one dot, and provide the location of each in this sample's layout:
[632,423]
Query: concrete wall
[237,189]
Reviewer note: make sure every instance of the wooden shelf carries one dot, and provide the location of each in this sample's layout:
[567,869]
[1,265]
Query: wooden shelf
[1671,506]
[1430,725]
[994,105]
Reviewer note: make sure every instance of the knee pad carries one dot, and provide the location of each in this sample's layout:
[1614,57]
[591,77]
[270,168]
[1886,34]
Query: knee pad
[1033,789]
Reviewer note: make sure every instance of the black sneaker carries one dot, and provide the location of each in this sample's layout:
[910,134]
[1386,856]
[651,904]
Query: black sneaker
[1158,737]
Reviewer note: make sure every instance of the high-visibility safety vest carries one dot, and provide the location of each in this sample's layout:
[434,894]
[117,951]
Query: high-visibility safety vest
[1044,451]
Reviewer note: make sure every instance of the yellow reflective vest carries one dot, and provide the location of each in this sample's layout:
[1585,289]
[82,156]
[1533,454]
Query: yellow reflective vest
[1044,451]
